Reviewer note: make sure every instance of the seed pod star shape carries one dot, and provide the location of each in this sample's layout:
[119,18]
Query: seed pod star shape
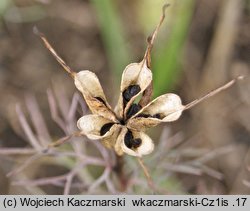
[123,129]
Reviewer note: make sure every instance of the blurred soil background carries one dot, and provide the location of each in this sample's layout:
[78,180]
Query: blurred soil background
[201,45]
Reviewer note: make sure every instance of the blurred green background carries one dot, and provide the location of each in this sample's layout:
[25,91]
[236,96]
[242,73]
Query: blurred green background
[201,45]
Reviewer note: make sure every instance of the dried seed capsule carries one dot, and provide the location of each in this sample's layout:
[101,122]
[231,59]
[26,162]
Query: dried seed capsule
[101,100]
[105,128]
[131,91]
[134,108]
[136,142]
[128,139]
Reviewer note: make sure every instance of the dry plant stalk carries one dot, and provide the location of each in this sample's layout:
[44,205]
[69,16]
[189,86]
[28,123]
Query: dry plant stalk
[37,135]
[147,174]
[147,94]
[122,129]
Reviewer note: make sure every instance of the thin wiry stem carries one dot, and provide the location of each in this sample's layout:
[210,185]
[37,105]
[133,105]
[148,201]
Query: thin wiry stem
[73,107]
[63,103]
[212,93]
[121,175]
[64,140]
[147,94]
[103,151]
[70,176]
[24,165]
[110,185]
[68,183]
[37,120]
[17,151]
[151,39]
[100,180]
[57,180]
[146,173]
[53,52]
[79,156]
[212,154]
[86,158]
[27,130]
[54,111]
[183,168]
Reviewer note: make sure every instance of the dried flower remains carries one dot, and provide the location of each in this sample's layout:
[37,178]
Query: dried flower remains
[123,129]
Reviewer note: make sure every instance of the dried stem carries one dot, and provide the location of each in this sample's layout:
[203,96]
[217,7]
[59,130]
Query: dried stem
[147,94]
[70,176]
[17,151]
[57,180]
[68,184]
[79,156]
[53,52]
[212,93]
[54,111]
[146,173]
[27,129]
[38,121]
[119,169]
[151,39]
[24,165]
[100,180]
[63,140]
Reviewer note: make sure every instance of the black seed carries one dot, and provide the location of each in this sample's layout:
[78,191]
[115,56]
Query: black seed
[128,139]
[136,142]
[129,143]
[131,91]
[158,116]
[101,100]
[144,115]
[134,89]
[105,128]
[129,135]
[134,108]
[126,96]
